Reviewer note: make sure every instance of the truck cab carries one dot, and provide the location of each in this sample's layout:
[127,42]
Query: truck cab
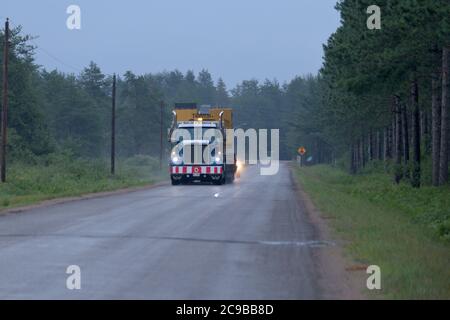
[199,146]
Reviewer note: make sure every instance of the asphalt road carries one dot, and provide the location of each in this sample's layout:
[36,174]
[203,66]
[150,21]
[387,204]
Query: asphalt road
[247,240]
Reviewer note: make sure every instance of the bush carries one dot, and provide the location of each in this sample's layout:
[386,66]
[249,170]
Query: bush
[444,230]
[61,174]
[142,160]
[428,205]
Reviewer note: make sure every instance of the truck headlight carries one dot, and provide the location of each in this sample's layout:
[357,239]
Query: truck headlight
[176,160]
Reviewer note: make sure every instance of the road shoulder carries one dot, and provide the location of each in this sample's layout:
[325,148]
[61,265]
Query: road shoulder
[87,196]
[340,278]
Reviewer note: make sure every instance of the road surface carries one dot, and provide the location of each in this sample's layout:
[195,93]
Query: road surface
[247,240]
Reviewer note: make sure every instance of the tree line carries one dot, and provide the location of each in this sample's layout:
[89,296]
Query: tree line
[52,111]
[384,93]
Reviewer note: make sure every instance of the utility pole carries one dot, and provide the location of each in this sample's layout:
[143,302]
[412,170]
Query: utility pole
[5,103]
[113,127]
[161,135]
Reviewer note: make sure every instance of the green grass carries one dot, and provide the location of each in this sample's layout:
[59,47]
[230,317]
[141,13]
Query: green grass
[403,230]
[60,176]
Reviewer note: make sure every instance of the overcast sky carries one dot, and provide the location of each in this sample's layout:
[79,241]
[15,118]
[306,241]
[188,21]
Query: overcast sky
[234,39]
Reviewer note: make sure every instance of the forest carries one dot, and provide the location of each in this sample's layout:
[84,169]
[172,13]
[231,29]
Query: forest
[384,93]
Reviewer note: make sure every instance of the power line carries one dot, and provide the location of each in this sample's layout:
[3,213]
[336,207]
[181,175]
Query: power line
[55,57]
[48,53]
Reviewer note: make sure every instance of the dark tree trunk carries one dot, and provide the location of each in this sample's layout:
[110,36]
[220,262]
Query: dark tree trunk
[376,145]
[391,141]
[371,146]
[405,133]
[443,167]
[426,131]
[362,151]
[379,146]
[422,124]
[358,156]
[415,179]
[388,143]
[435,128]
[398,172]
[411,132]
[352,159]
[394,136]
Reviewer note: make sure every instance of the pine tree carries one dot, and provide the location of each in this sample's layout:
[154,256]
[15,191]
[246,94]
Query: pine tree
[222,96]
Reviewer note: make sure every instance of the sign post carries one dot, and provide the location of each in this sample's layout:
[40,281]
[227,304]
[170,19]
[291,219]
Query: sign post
[301,151]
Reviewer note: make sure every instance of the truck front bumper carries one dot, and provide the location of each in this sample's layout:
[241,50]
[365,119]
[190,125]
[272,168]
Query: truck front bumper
[193,173]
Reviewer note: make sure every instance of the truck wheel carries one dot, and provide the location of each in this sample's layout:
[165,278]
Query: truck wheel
[175,182]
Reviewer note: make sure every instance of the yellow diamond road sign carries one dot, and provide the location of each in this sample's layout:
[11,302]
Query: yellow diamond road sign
[302,151]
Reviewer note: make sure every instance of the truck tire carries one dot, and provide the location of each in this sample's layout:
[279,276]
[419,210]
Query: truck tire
[175,182]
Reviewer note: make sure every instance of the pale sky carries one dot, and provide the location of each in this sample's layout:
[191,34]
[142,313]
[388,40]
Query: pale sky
[234,39]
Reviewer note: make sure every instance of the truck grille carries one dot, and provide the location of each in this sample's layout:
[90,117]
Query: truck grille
[190,156]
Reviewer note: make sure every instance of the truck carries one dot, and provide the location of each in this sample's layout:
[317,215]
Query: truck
[196,156]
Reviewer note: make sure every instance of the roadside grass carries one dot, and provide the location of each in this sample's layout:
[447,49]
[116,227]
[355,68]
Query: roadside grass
[403,230]
[61,176]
